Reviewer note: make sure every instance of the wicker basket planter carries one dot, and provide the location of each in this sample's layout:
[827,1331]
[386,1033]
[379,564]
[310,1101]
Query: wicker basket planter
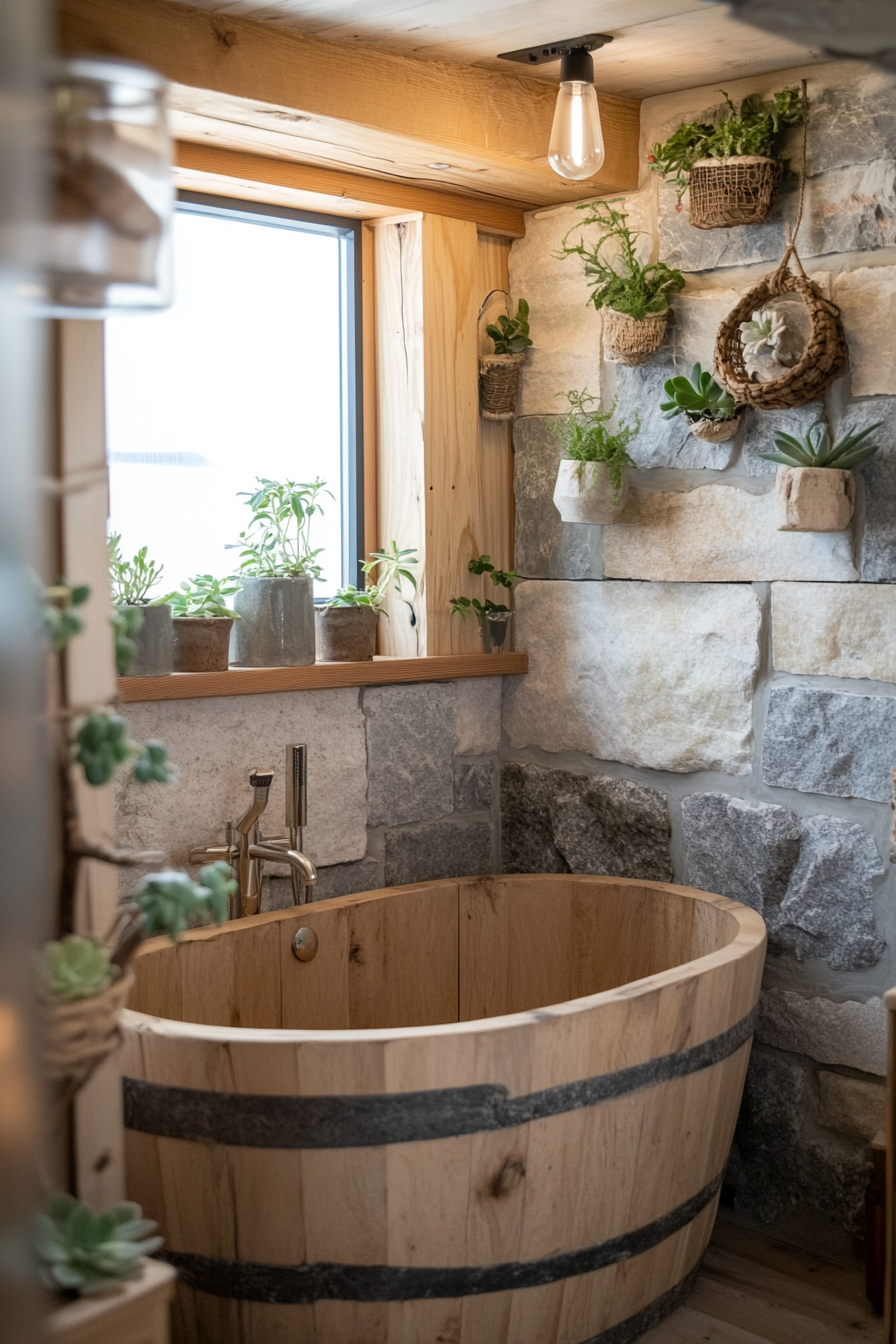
[725,193]
[814,499]
[714,431]
[584,493]
[633,340]
[499,378]
[79,1035]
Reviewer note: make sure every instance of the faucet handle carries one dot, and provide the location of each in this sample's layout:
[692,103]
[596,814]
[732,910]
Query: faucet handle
[261,779]
[296,786]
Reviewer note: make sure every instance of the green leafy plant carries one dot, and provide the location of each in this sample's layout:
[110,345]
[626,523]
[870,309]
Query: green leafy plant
[101,745]
[816,448]
[61,620]
[203,595]
[585,435]
[390,567]
[756,127]
[169,901]
[471,606]
[618,279]
[511,334]
[699,397]
[131,579]
[75,968]
[82,1252]
[277,542]
[126,623]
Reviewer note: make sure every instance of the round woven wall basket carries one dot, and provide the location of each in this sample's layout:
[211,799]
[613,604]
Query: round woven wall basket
[499,377]
[822,359]
[79,1035]
[727,192]
[633,340]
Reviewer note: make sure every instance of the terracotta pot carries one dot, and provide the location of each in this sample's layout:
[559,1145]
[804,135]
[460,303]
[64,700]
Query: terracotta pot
[345,634]
[714,431]
[201,643]
[155,643]
[276,625]
[814,499]
[584,493]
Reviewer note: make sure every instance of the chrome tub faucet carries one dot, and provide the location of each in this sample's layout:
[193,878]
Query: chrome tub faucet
[246,849]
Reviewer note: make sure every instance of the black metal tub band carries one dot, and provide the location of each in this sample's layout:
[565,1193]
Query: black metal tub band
[251,1121]
[249,1281]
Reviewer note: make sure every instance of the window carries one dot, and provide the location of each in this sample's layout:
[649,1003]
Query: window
[253,372]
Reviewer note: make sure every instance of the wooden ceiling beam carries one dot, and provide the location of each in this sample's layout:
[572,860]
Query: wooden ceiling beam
[345,107]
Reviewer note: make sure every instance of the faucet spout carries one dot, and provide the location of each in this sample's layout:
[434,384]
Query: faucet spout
[300,864]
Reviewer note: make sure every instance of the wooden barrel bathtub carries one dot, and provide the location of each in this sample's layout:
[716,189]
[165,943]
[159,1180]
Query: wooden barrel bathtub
[489,1111]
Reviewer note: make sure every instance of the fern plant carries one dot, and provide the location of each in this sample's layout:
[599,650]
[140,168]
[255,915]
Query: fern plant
[816,448]
[617,277]
[585,435]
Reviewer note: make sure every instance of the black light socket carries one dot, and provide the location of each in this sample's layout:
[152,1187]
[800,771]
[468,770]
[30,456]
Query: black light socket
[576,66]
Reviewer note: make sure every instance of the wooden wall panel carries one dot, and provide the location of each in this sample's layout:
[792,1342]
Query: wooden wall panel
[495,436]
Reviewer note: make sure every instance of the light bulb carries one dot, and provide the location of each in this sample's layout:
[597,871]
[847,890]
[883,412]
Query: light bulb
[576,150]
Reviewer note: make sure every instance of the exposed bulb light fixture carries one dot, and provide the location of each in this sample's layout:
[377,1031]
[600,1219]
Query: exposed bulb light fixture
[576,149]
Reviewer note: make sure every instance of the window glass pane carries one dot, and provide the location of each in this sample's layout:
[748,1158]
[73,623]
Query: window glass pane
[240,378]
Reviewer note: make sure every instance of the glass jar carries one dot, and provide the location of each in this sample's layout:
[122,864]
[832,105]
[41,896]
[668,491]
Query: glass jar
[497,632]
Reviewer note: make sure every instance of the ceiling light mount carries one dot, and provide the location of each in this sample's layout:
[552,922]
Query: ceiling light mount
[556,51]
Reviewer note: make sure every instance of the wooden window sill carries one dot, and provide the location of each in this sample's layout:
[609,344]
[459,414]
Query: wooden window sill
[320,676]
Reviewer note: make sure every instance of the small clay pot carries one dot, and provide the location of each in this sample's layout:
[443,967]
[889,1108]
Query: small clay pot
[155,643]
[345,634]
[584,493]
[201,643]
[814,499]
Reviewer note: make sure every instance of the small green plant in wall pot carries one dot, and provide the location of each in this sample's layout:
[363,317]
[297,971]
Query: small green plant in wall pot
[592,480]
[495,619]
[278,566]
[815,486]
[82,1252]
[499,373]
[144,639]
[346,625]
[202,623]
[710,412]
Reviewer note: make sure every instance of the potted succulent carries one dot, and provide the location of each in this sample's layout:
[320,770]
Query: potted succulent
[731,163]
[277,568]
[633,294]
[710,412]
[145,623]
[346,625]
[591,480]
[815,486]
[495,618]
[499,374]
[202,622]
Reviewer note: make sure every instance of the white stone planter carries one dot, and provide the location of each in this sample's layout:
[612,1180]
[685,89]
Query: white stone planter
[584,493]
[135,1313]
[814,499]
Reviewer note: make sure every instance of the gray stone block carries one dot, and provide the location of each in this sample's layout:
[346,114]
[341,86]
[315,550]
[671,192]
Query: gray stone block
[441,850]
[339,879]
[879,473]
[834,1176]
[810,877]
[760,428]
[852,122]
[546,547]
[762,1166]
[410,752]
[690,249]
[830,742]
[473,785]
[850,1033]
[661,442]
[477,715]
[555,821]
[853,1106]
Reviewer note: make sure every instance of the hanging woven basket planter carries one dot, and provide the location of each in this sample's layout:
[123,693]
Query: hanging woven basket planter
[499,378]
[78,1036]
[633,340]
[823,356]
[725,193]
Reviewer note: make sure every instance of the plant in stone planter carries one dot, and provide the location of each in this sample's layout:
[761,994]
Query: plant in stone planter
[277,568]
[710,411]
[202,623]
[591,481]
[499,374]
[346,625]
[81,1252]
[145,623]
[495,618]
[634,293]
[816,489]
[731,163]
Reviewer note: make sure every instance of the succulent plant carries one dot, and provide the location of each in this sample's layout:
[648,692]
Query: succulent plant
[766,328]
[126,622]
[393,568]
[61,621]
[815,449]
[131,579]
[168,900]
[152,764]
[102,745]
[81,1251]
[75,968]
[203,596]
[699,397]
[511,334]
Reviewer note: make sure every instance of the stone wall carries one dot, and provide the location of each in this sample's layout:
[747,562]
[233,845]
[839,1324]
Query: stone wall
[709,697]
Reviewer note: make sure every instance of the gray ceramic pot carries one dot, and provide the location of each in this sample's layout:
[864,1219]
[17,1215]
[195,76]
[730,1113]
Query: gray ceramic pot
[155,643]
[201,643]
[276,625]
[346,634]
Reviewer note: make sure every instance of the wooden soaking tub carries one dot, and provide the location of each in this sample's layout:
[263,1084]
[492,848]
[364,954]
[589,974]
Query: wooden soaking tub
[489,1111]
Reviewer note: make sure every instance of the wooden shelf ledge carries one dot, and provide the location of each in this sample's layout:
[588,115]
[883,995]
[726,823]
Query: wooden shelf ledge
[320,676]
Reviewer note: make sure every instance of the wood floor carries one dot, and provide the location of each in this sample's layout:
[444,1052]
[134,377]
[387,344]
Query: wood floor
[756,1291]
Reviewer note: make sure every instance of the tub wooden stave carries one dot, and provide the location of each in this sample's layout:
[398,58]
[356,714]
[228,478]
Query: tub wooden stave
[515,1196]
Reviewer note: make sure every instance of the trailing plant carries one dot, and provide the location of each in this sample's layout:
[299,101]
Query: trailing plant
[101,745]
[82,1252]
[471,606]
[61,620]
[169,901]
[511,334]
[585,436]
[391,568]
[126,623]
[277,542]
[618,279]
[203,595]
[816,449]
[756,127]
[75,968]
[698,397]
[131,579]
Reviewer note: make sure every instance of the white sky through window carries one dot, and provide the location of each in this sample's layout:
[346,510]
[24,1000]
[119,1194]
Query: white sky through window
[240,378]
